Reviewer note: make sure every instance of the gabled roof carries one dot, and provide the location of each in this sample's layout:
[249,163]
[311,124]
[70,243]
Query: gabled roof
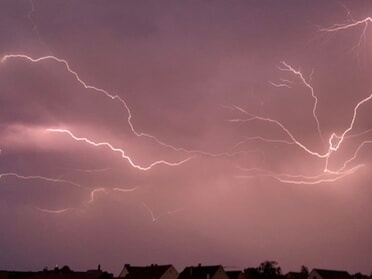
[146,272]
[332,274]
[199,272]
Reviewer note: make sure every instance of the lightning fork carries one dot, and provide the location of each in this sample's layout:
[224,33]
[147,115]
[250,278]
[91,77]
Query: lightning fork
[289,68]
[354,23]
[111,96]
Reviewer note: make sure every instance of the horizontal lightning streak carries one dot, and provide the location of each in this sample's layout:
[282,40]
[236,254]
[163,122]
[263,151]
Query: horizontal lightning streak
[354,23]
[125,189]
[56,211]
[300,179]
[54,180]
[338,27]
[279,84]
[338,177]
[121,151]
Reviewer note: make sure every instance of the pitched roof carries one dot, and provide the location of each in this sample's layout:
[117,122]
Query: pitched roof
[199,272]
[333,274]
[146,272]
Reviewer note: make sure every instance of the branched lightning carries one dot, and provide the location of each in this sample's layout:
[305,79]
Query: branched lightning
[334,143]
[113,97]
[288,68]
[353,23]
[344,26]
[283,128]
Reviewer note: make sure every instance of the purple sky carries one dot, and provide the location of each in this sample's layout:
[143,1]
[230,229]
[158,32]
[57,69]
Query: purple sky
[208,90]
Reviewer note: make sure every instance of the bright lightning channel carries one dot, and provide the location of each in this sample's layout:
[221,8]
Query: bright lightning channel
[113,97]
[354,23]
[334,142]
[289,68]
[121,151]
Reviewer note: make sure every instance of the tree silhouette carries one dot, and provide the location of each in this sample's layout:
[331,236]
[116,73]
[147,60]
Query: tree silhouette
[269,270]
[304,271]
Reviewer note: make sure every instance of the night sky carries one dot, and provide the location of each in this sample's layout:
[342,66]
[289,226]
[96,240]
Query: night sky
[185,132]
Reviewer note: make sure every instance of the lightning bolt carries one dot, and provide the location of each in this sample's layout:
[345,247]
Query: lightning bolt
[121,151]
[279,84]
[48,179]
[289,68]
[111,96]
[300,179]
[334,143]
[353,23]
[56,211]
[322,180]
[281,126]
[116,98]
[125,189]
[344,26]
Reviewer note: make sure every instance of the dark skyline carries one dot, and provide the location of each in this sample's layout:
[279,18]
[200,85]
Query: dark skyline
[185,132]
